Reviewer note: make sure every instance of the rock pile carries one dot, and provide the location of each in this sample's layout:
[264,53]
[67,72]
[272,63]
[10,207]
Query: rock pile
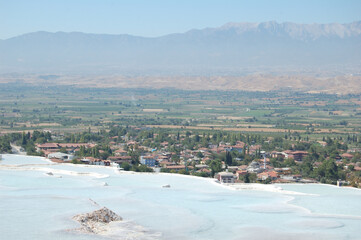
[94,221]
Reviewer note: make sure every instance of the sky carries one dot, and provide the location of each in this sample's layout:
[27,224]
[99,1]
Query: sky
[151,18]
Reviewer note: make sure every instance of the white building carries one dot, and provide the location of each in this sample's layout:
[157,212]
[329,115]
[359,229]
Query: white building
[226,177]
[254,167]
[61,156]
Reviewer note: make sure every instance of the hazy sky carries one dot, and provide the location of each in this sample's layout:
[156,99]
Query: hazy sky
[160,17]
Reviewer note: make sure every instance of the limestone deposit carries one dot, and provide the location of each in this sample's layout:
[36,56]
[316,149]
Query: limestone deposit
[94,221]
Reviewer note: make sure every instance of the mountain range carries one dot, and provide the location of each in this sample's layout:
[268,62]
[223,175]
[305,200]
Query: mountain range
[234,48]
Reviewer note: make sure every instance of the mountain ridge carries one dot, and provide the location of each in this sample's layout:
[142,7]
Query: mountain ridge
[232,47]
[354,27]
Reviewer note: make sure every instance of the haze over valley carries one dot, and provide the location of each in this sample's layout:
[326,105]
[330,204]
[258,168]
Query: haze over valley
[256,56]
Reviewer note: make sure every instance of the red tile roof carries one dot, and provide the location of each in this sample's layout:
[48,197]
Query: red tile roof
[48,145]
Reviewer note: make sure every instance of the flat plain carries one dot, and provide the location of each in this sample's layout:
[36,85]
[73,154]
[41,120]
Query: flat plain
[65,108]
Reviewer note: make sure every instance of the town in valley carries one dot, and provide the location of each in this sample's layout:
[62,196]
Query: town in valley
[234,136]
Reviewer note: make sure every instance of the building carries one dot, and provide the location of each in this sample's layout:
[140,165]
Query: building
[299,155]
[61,156]
[265,175]
[166,164]
[48,146]
[296,155]
[254,167]
[275,154]
[70,147]
[226,177]
[178,167]
[92,161]
[347,156]
[149,161]
[202,166]
[238,147]
[283,171]
[120,152]
[291,178]
[120,159]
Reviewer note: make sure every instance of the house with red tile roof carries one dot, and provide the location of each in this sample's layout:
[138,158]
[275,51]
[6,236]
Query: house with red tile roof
[273,175]
[57,146]
[296,155]
[205,170]
[347,156]
[120,159]
[166,164]
[48,146]
[283,171]
[120,152]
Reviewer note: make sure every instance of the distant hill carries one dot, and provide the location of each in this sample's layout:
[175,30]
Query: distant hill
[234,48]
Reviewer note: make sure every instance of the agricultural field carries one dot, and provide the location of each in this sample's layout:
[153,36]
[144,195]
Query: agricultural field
[26,107]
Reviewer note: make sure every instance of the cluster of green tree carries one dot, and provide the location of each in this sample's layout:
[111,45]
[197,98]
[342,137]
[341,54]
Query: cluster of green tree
[40,137]
[327,171]
[99,151]
[84,137]
[215,166]
[249,178]
[181,171]
[76,161]
[26,140]
[135,167]
[5,146]
[201,174]
[353,139]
